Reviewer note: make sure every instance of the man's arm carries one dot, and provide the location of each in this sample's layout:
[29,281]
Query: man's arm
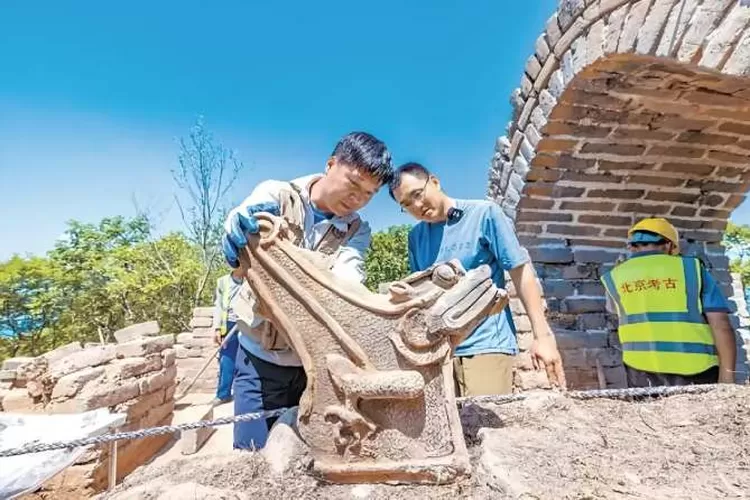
[411,249]
[350,260]
[504,244]
[716,310]
[217,312]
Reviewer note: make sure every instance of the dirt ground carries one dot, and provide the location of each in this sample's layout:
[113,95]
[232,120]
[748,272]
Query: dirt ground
[545,447]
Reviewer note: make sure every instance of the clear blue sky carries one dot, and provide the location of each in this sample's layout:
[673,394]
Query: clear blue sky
[94,94]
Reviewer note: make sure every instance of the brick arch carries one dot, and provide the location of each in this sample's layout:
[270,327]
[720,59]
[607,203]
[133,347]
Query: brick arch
[628,108]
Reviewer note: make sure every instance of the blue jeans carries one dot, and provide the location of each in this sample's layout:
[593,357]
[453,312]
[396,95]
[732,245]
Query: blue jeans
[227,356]
[260,385]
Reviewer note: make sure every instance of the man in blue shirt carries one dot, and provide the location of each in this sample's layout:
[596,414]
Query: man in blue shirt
[477,232]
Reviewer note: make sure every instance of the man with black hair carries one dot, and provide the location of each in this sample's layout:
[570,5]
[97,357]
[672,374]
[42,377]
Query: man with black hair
[477,232]
[323,208]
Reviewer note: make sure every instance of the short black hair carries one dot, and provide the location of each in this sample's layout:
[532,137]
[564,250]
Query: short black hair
[365,151]
[416,169]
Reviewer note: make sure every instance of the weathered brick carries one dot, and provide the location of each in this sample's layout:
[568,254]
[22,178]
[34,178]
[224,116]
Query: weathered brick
[558,288]
[593,206]
[69,385]
[614,149]
[732,172]
[589,177]
[17,362]
[82,359]
[522,322]
[18,400]
[203,312]
[679,197]
[577,230]
[656,180]
[593,321]
[528,202]
[605,220]
[536,216]
[679,123]
[728,157]
[580,113]
[624,165]
[201,322]
[552,190]
[586,242]
[641,133]
[621,233]
[142,347]
[735,128]
[688,168]
[714,212]
[599,256]
[554,145]
[680,151]
[706,138]
[713,200]
[543,174]
[579,305]
[733,201]
[530,379]
[726,187]
[576,129]
[133,367]
[703,235]
[624,194]
[158,380]
[168,357]
[578,271]
[684,211]
[560,255]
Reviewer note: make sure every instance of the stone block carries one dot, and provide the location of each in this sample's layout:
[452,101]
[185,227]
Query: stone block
[169,393]
[523,324]
[85,358]
[142,347]
[551,255]
[558,288]
[168,357]
[137,331]
[572,340]
[203,312]
[284,443]
[203,332]
[201,322]
[121,369]
[137,408]
[17,362]
[531,379]
[7,375]
[158,380]
[192,440]
[595,256]
[591,321]
[108,395]
[62,352]
[579,305]
[18,400]
[69,385]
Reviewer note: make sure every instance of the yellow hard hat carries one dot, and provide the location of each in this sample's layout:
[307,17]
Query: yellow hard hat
[654,225]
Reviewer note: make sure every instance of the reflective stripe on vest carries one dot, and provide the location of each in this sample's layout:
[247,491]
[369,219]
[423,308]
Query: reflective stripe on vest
[662,328]
[224,291]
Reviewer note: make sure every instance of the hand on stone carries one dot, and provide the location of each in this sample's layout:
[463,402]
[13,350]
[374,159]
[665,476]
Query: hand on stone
[242,223]
[544,351]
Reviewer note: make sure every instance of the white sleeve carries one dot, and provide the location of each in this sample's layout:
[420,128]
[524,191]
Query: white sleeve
[265,192]
[350,259]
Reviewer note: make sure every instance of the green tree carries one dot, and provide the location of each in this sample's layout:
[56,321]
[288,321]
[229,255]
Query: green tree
[387,258]
[737,242]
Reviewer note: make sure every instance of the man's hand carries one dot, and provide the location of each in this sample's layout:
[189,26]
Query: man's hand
[544,352]
[217,337]
[242,223]
[726,376]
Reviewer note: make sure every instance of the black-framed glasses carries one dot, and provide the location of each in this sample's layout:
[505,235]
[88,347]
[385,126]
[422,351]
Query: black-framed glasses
[415,196]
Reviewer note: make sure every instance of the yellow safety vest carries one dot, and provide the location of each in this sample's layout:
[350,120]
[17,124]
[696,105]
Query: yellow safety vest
[662,327]
[224,294]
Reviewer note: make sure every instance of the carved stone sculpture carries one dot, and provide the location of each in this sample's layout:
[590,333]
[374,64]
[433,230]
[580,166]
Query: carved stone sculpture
[380,402]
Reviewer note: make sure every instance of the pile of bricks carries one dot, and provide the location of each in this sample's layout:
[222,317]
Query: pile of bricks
[135,377]
[194,349]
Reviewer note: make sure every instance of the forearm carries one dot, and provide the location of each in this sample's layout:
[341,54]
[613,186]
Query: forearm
[527,288]
[723,333]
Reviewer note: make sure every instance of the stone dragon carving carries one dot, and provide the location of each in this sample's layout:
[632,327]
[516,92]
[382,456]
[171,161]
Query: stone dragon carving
[379,405]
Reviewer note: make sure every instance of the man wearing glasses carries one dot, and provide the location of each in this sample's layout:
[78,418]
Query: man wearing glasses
[477,232]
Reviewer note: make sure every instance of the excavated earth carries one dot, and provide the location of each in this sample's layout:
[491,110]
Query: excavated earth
[547,446]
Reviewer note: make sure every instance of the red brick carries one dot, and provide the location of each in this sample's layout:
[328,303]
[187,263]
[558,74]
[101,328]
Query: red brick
[735,128]
[728,157]
[681,151]
[642,133]
[678,123]
[685,223]
[614,149]
[616,233]
[534,216]
[598,100]
[552,190]
[675,197]
[734,201]
[575,129]
[543,174]
[594,206]
[731,172]
[706,138]
[744,144]
[726,187]
[576,113]
[715,212]
[713,200]
[711,98]
[624,165]
[623,194]
[656,181]
[684,211]
[640,208]
[596,243]
[688,168]
[605,220]
[577,230]
[545,160]
[583,177]
[570,162]
[535,203]
[554,145]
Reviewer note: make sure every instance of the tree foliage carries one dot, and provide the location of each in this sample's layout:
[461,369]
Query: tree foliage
[737,241]
[387,259]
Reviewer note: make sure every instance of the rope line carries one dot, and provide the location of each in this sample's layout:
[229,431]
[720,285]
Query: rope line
[628,393]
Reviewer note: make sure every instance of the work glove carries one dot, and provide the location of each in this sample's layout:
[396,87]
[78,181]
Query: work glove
[242,223]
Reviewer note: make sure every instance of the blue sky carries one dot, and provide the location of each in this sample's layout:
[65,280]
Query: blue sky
[93,96]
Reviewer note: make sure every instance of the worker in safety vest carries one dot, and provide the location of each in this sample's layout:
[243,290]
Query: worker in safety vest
[673,320]
[322,211]
[224,323]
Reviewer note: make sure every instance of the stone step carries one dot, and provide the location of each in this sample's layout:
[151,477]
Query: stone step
[191,440]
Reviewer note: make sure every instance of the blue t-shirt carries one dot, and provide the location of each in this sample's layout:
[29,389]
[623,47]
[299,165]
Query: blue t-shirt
[711,297]
[483,235]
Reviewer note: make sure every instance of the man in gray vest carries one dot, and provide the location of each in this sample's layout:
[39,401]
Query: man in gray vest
[324,207]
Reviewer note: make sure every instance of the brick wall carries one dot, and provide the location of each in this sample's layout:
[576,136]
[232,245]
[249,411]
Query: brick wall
[136,377]
[627,109]
[194,348]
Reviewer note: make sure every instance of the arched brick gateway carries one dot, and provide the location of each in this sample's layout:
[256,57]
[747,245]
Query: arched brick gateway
[628,108]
